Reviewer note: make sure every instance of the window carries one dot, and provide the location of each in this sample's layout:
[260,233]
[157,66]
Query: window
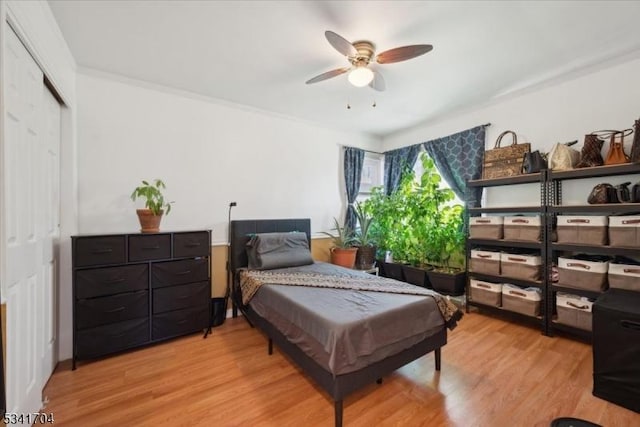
[372,172]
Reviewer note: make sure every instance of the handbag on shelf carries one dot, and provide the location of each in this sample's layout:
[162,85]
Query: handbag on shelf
[622,192]
[616,154]
[635,146]
[533,162]
[506,161]
[601,194]
[591,154]
[563,157]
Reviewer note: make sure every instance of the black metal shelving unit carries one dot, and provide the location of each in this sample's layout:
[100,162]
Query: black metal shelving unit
[540,209]
[555,207]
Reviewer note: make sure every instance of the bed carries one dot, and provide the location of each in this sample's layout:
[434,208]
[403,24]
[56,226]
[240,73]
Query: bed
[340,333]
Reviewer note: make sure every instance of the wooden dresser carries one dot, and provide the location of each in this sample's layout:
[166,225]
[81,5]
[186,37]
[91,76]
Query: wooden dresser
[130,290]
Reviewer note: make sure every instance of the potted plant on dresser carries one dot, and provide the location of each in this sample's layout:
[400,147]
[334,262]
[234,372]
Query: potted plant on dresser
[155,205]
[343,252]
[363,240]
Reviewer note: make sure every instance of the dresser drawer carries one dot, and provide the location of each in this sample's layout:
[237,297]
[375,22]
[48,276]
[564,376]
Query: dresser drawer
[149,247]
[117,308]
[99,250]
[191,244]
[180,322]
[179,272]
[111,280]
[106,339]
[181,296]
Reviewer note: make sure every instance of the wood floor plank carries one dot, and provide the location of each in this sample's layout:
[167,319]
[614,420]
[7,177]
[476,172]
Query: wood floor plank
[494,373]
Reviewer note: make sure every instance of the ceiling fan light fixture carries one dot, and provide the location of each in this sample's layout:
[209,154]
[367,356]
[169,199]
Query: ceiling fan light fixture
[360,76]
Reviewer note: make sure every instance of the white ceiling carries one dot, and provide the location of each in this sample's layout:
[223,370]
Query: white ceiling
[260,53]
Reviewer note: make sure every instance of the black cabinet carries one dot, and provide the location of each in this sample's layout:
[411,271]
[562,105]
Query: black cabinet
[135,289]
[616,348]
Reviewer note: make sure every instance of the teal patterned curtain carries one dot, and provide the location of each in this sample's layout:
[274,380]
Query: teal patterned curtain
[395,162]
[458,158]
[353,161]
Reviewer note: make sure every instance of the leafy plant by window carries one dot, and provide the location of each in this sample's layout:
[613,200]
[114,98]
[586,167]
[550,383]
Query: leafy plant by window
[417,223]
[152,193]
[344,238]
[363,236]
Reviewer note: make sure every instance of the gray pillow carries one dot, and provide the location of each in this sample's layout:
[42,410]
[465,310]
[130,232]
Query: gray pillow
[266,251]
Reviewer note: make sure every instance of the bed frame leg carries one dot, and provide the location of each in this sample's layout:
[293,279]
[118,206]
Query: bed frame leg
[379,381]
[270,346]
[338,412]
[438,358]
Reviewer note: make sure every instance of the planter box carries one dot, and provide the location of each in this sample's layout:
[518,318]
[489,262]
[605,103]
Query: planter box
[447,283]
[392,270]
[416,276]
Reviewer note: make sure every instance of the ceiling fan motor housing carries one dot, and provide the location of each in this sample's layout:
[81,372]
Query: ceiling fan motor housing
[365,50]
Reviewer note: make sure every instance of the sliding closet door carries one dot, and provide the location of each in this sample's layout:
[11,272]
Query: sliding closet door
[30,223]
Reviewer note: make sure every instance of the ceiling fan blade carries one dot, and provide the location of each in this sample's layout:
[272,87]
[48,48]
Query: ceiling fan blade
[378,81]
[328,75]
[340,44]
[403,53]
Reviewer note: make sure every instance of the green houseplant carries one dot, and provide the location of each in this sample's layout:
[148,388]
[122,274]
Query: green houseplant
[343,252]
[418,224]
[363,239]
[155,205]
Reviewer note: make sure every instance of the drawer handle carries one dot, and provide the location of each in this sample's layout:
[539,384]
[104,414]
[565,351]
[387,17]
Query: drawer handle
[483,221]
[183,273]
[632,270]
[482,285]
[578,221]
[520,294]
[630,324]
[103,251]
[516,259]
[484,256]
[151,248]
[112,281]
[631,221]
[577,264]
[115,310]
[574,305]
[520,221]
[192,244]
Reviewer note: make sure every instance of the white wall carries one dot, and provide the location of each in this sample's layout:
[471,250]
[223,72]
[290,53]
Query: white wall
[208,154]
[605,99]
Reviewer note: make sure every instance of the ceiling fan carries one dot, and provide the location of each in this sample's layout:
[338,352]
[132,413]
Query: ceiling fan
[360,54]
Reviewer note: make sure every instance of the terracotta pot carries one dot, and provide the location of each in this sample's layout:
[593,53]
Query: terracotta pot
[149,223]
[344,257]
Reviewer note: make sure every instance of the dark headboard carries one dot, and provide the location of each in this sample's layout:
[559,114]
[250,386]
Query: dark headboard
[242,230]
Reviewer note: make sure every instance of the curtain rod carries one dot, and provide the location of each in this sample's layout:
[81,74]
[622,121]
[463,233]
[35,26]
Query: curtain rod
[376,152]
[367,151]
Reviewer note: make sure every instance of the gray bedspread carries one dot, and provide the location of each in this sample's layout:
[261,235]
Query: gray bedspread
[346,330]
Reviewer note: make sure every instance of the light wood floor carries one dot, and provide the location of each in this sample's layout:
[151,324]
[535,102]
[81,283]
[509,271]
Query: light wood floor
[494,373]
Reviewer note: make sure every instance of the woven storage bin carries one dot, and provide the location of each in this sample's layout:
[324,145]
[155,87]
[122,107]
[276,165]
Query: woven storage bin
[624,231]
[525,228]
[485,292]
[525,301]
[485,262]
[580,274]
[583,230]
[485,227]
[624,276]
[519,266]
[574,310]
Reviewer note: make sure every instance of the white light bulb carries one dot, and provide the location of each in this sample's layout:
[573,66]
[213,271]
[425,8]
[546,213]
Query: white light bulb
[360,76]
